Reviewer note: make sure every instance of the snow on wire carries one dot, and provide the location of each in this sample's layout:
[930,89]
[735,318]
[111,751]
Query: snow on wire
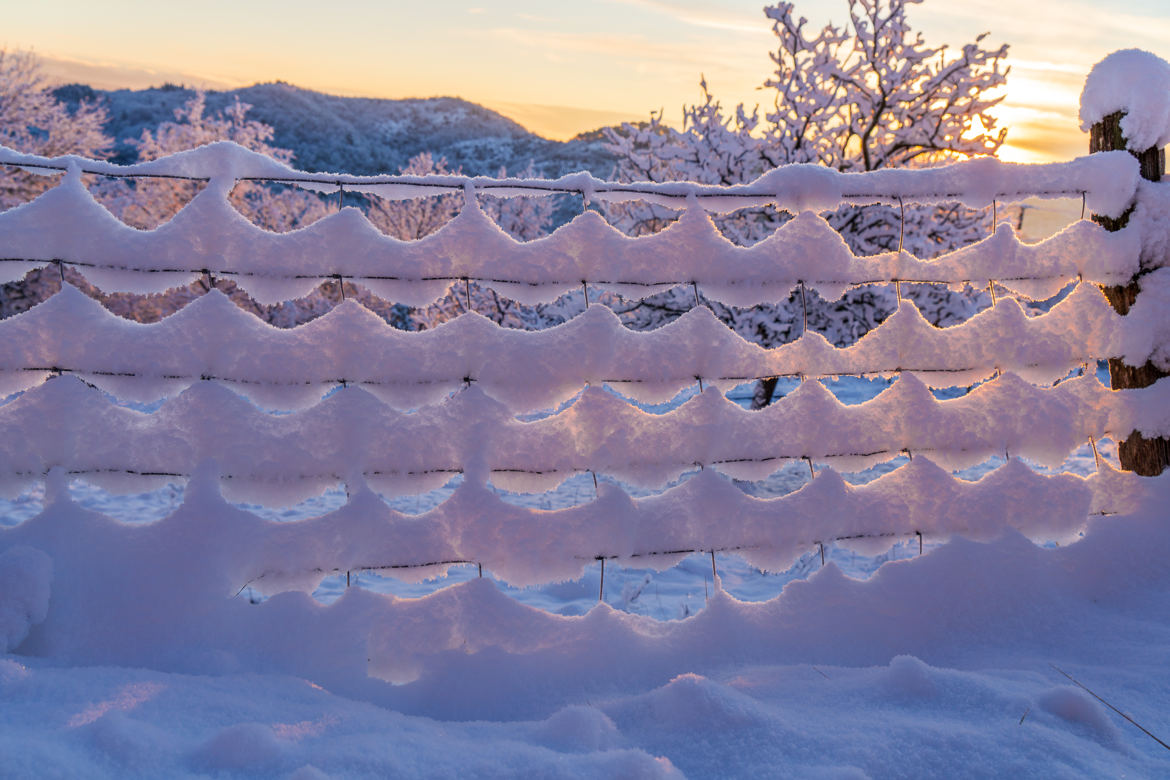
[515,544]
[280,460]
[1106,181]
[212,338]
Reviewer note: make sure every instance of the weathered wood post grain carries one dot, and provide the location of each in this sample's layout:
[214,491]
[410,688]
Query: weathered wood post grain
[1139,454]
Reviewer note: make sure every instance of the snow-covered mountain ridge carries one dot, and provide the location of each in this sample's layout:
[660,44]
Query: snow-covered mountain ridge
[359,135]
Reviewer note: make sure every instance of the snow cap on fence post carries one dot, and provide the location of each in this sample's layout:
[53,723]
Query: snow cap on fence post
[1137,84]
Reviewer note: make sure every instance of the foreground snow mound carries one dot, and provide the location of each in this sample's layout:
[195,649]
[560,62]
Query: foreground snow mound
[25,576]
[906,718]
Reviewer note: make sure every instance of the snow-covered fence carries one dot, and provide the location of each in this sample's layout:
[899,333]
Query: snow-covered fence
[394,412]
[357,436]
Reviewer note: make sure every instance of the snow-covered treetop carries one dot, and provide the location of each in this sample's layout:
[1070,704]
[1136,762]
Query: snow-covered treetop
[1137,83]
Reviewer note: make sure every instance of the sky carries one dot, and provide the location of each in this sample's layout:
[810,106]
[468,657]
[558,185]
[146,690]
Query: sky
[559,67]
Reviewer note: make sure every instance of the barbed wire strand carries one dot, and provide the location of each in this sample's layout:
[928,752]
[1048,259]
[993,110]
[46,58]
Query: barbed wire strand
[792,284]
[882,373]
[602,557]
[681,466]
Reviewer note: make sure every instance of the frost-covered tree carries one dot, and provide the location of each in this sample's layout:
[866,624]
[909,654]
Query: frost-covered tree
[524,219]
[866,95]
[520,217]
[146,203]
[416,218]
[35,122]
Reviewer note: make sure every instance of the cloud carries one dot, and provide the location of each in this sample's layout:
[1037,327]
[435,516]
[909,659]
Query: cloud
[1043,66]
[632,48]
[699,15]
[1062,32]
[119,75]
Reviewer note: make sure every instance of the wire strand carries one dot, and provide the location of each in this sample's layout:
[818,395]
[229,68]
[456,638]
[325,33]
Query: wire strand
[891,452]
[792,283]
[682,380]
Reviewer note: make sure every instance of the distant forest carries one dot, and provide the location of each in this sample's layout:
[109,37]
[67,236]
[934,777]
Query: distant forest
[359,135]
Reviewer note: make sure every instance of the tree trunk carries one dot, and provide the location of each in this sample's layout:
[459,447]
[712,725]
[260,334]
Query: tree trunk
[762,395]
[1147,457]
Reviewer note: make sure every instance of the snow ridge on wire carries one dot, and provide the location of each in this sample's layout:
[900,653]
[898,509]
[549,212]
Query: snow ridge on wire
[213,338]
[209,236]
[515,543]
[350,436]
[1106,180]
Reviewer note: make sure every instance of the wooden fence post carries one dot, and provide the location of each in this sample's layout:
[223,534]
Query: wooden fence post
[1147,457]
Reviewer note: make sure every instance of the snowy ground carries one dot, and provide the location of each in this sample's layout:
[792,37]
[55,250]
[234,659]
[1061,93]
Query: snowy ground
[944,664]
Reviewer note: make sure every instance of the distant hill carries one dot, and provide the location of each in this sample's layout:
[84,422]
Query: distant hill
[360,135]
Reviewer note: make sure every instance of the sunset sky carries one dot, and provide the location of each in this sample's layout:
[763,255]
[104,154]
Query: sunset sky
[560,67]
